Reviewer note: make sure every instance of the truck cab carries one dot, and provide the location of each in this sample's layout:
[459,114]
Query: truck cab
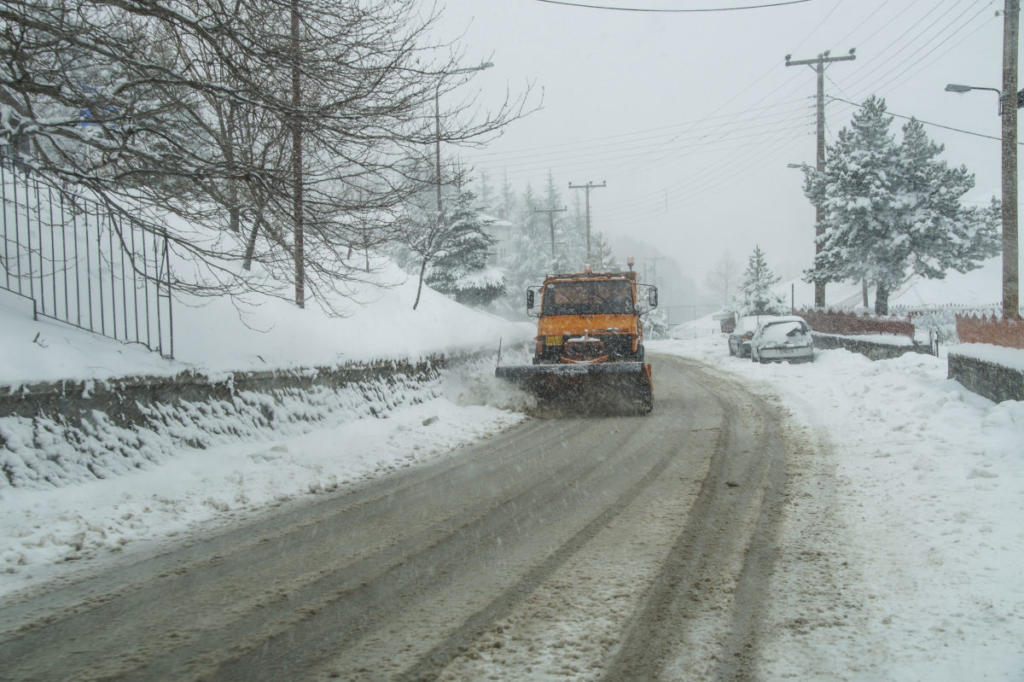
[590,317]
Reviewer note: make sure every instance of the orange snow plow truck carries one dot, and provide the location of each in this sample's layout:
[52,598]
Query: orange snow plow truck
[589,343]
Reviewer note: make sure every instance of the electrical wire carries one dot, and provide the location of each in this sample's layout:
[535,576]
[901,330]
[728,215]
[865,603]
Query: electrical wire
[929,123]
[671,132]
[906,70]
[581,5]
[653,144]
[903,74]
[869,70]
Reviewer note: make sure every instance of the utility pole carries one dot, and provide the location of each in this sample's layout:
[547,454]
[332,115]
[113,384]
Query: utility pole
[551,223]
[1011,284]
[818,65]
[297,207]
[589,186]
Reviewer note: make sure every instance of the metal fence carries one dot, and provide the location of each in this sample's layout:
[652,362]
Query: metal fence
[83,264]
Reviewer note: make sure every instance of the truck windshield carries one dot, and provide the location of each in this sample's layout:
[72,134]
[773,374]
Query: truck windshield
[614,297]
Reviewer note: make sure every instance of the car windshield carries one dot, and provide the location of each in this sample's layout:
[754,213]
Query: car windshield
[783,331]
[587,298]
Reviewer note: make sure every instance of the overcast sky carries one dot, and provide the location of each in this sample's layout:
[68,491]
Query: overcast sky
[692,118]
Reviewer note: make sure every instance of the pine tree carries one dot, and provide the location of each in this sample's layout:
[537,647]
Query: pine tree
[755,296]
[891,210]
[461,269]
[603,260]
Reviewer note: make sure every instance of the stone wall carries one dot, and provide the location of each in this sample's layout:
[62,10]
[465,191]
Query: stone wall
[56,433]
[993,381]
[871,349]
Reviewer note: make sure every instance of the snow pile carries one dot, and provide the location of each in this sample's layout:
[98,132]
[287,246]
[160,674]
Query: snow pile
[927,488]
[215,335]
[41,530]
[53,450]
[998,355]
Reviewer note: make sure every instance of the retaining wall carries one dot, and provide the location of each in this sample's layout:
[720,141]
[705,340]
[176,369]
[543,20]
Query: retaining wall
[835,322]
[995,382]
[52,434]
[871,349]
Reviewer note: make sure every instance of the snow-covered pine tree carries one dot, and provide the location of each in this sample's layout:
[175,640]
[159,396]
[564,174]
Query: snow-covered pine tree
[935,231]
[601,256]
[528,254]
[461,269]
[854,196]
[755,295]
[890,210]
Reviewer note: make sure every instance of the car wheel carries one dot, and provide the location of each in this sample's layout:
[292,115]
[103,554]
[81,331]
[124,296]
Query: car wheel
[729,345]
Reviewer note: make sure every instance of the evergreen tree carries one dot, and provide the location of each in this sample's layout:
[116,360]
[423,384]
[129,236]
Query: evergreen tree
[755,296]
[461,269]
[601,256]
[891,210]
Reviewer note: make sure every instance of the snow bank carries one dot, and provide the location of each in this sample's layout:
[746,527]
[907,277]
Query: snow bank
[216,335]
[998,355]
[927,486]
[244,469]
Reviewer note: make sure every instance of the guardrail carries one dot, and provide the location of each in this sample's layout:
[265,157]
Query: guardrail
[82,263]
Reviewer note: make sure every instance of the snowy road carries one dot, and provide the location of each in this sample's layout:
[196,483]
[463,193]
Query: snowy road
[563,548]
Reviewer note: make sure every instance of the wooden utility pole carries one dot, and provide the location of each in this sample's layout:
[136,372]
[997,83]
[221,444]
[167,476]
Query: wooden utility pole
[1011,284]
[551,223]
[300,272]
[818,65]
[587,187]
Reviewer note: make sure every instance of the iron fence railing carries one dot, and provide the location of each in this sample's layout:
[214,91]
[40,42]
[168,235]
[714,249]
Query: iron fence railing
[84,264]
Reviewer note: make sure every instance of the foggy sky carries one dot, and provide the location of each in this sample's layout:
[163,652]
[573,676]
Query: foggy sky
[692,118]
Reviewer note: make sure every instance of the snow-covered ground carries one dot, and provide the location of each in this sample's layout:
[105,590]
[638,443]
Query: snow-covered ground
[927,501]
[928,478]
[43,529]
[214,335]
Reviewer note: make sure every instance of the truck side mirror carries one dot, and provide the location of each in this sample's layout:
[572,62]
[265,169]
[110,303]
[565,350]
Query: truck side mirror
[529,299]
[652,297]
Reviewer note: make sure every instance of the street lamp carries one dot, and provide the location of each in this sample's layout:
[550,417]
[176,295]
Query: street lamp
[1011,300]
[956,87]
[437,123]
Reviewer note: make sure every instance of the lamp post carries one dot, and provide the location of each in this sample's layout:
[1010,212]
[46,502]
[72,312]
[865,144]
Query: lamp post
[437,125]
[960,89]
[1008,104]
[1008,110]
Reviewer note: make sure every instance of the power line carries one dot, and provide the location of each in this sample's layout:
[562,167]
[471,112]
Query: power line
[672,131]
[899,69]
[580,5]
[587,187]
[927,123]
[658,147]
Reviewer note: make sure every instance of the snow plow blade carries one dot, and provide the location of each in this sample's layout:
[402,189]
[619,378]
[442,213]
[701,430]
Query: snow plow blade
[609,385]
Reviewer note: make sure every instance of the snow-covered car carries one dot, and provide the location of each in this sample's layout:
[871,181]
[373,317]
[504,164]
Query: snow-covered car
[782,338]
[739,338]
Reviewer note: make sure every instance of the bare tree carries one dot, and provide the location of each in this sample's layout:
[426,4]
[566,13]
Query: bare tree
[279,130]
[723,277]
